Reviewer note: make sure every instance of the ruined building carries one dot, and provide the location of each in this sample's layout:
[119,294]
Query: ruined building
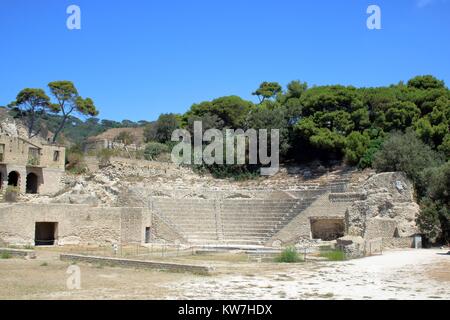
[32,165]
[104,208]
[109,140]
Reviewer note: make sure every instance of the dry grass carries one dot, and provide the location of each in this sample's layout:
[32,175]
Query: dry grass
[38,279]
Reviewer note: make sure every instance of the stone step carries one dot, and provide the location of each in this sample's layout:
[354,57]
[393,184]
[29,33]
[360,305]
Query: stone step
[245,235]
[186,210]
[242,215]
[202,236]
[193,218]
[243,219]
[256,210]
[236,227]
[257,207]
[228,242]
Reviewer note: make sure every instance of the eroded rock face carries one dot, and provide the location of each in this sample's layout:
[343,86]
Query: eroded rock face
[352,246]
[9,128]
[389,209]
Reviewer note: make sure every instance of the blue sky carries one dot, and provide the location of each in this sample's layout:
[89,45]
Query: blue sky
[140,58]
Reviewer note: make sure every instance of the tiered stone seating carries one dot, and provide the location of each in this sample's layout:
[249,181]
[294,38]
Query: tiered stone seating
[195,218]
[239,221]
[254,221]
[250,221]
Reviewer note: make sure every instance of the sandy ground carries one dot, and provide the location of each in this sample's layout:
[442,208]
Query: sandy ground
[410,274]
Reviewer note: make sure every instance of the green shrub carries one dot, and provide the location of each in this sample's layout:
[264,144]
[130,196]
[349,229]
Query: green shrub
[33,161]
[12,189]
[104,157]
[355,147]
[332,255]
[429,219]
[11,193]
[125,137]
[407,153]
[445,146]
[236,172]
[289,255]
[139,154]
[5,255]
[368,157]
[75,162]
[154,149]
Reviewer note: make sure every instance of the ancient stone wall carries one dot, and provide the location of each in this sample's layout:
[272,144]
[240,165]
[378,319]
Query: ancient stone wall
[49,168]
[300,227]
[389,211]
[141,264]
[16,150]
[76,224]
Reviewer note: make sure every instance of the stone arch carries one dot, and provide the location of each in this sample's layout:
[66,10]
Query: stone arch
[14,179]
[32,183]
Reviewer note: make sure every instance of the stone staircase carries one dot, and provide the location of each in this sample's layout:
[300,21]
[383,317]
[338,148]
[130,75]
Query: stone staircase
[194,218]
[255,221]
[242,221]
[231,222]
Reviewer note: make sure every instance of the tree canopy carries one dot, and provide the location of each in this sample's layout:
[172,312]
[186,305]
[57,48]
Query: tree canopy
[31,104]
[68,101]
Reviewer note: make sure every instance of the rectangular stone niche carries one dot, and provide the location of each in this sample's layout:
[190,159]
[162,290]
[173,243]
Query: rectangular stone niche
[327,229]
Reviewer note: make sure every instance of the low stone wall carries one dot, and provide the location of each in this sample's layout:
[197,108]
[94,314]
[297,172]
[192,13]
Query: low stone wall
[141,264]
[389,243]
[347,196]
[20,253]
[380,228]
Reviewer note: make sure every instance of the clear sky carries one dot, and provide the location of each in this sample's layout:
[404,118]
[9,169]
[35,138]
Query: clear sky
[140,58]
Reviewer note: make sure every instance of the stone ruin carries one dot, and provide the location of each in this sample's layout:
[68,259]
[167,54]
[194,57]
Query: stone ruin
[142,202]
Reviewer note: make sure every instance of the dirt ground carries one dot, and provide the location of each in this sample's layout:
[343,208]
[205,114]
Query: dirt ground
[403,274]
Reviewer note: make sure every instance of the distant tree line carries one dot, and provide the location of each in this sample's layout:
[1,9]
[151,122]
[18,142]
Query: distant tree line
[327,122]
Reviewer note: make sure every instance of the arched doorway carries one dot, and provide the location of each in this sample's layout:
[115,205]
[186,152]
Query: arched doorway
[13,179]
[32,183]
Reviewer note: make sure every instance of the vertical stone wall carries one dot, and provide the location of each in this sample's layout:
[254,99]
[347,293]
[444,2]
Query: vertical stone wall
[388,211]
[77,224]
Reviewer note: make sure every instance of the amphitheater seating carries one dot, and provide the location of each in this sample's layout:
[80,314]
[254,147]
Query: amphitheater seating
[237,221]
[246,221]
[254,221]
[196,219]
